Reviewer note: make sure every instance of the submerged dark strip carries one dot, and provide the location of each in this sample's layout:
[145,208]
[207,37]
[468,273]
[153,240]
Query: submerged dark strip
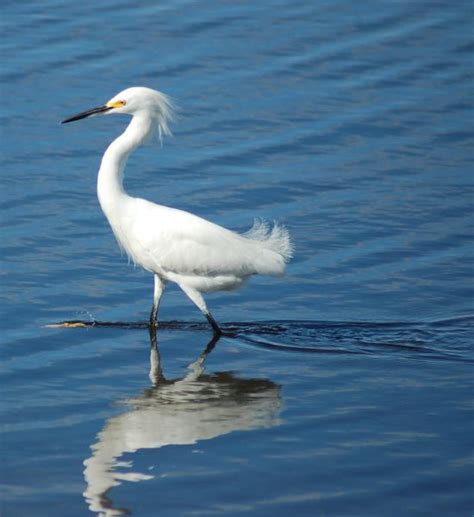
[432,340]
[273,326]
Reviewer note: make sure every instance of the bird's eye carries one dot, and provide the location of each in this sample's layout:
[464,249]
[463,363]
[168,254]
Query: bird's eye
[123,103]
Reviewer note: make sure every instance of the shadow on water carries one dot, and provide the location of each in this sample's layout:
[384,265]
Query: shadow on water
[181,411]
[441,339]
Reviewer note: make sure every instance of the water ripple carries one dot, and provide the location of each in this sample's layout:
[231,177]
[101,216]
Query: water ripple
[440,339]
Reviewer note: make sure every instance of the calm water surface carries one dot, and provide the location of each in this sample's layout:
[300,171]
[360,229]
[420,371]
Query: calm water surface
[345,388]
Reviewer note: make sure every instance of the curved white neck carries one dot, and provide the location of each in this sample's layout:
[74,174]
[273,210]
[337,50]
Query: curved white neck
[110,179]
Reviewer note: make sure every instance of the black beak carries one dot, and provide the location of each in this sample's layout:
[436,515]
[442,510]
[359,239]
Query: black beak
[88,113]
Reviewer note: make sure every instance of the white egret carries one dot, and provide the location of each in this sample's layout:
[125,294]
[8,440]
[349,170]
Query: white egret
[174,245]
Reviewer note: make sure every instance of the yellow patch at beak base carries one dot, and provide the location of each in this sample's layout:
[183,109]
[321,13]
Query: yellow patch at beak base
[116,104]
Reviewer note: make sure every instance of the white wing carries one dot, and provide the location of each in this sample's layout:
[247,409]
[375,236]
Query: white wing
[171,240]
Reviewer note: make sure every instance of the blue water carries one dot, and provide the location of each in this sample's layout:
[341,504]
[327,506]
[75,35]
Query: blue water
[345,388]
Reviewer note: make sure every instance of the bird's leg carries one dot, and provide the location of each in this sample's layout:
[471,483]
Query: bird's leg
[156,374]
[215,327]
[196,368]
[198,300]
[158,291]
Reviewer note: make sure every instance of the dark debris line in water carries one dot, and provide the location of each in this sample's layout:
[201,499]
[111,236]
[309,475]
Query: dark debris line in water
[416,340]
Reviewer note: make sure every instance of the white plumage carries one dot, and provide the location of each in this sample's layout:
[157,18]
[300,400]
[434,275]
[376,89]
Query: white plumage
[175,245]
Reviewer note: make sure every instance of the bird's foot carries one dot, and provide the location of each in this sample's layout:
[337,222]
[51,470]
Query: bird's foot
[215,327]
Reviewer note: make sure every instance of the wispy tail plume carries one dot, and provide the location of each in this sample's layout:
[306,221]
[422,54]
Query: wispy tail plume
[276,239]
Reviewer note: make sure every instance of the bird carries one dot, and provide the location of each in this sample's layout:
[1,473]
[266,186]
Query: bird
[172,244]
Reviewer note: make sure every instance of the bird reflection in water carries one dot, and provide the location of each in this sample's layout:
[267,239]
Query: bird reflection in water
[184,411]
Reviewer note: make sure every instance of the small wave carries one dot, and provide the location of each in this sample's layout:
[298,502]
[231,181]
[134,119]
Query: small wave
[446,339]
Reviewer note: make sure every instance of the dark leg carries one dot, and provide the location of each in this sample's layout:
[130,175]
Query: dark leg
[159,288]
[153,318]
[156,375]
[197,367]
[215,327]
[198,300]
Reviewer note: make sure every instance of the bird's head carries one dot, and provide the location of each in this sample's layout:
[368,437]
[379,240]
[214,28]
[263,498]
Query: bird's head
[139,101]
